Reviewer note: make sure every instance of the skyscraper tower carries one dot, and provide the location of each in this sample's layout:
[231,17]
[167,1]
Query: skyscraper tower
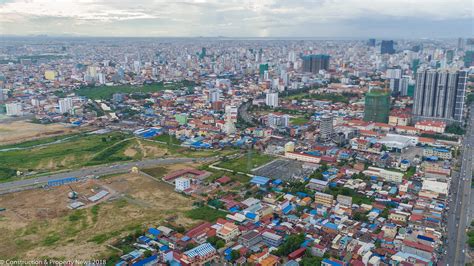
[377,106]
[460,44]
[440,94]
[387,47]
[326,129]
[272,99]
[371,42]
[314,63]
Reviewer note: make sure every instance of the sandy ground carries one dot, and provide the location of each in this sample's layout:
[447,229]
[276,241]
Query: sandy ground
[33,216]
[19,131]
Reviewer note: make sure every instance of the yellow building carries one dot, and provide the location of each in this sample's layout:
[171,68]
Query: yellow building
[228,231]
[400,217]
[323,199]
[50,75]
[290,146]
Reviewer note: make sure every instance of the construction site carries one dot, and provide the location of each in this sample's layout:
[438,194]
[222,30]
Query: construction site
[76,218]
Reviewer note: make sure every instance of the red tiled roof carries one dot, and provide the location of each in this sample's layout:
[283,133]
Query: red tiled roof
[223,180]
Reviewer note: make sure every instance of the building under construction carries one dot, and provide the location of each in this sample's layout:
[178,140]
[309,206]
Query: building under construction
[377,106]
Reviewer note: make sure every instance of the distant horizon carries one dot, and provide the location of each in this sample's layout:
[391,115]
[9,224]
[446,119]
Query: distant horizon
[39,36]
[240,18]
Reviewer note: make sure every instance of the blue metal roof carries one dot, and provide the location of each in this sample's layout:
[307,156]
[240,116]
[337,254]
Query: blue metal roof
[331,226]
[277,181]
[154,231]
[201,250]
[332,263]
[144,239]
[287,209]
[260,180]
[250,215]
[146,260]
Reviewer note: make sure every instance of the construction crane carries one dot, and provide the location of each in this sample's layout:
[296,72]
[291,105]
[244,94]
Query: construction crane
[72,194]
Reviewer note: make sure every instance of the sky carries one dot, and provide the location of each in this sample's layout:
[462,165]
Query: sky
[239,18]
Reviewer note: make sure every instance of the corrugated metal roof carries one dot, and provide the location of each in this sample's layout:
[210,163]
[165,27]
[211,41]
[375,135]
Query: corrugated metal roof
[201,250]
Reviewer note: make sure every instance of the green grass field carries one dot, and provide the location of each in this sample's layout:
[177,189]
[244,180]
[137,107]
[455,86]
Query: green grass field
[36,142]
[168,139]
[298,121]
[106,92]
[241,164]
[205,213]
[79,150]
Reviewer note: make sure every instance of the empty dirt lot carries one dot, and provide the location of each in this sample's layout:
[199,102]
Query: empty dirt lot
[14,132]
[38,224]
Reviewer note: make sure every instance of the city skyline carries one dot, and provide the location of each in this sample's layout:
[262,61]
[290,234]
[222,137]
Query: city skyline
[270,18]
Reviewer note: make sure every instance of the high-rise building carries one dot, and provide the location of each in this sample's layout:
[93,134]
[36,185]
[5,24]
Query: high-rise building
[314,63]
[262,68]
[377,106]
[275,120]
[326,129]
[460,44]
[469,59]
[404,85]
[65,105]
[14,109]
[272,99]
[292,56]
[3,96]
[136,67]
[449,56]
[371,43]
[231,112]
[394,75]
[386,47]
[203,53]
[415,64]
[214,95]
[440,94]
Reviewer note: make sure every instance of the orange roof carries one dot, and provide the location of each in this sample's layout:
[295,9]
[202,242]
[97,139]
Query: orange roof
[407,128]
[368,132]
[271,260]
[431,123]
[382,125]
[426,140]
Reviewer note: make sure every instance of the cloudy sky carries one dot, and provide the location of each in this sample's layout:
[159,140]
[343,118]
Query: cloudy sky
[239,18]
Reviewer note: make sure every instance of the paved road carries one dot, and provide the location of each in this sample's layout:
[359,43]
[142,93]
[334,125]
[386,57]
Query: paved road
[459,214]
[94,170]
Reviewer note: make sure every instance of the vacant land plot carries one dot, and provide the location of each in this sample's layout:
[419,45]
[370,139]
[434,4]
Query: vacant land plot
[283,169]
[206,213]
[246,162]
[22,131]
[83,149]
[38,224]
[77,151]
[74,151]
[106,92]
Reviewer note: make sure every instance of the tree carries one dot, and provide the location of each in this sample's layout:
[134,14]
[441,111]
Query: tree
[361,217]
[455,129]
[292,243]
[234,255]
[385,213]
[309,260]
[220,244]
[213,240]
[147,253]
